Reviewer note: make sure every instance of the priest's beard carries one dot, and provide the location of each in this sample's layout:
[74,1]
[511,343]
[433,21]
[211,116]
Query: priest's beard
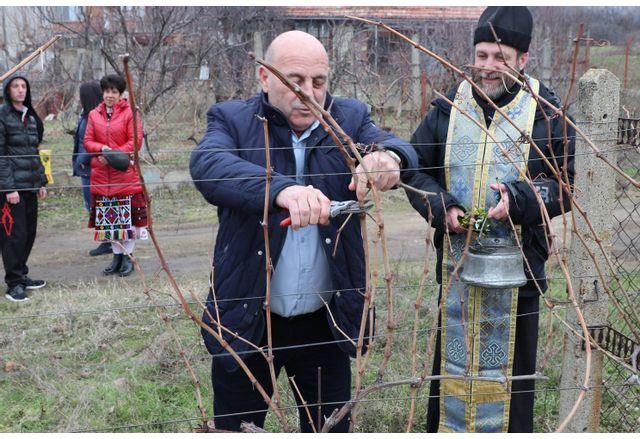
[496,91]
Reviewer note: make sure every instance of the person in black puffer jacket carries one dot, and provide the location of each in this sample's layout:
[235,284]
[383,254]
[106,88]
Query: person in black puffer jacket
[22,182]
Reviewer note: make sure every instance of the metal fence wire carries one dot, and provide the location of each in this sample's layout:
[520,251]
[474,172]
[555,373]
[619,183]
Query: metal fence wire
[621,397]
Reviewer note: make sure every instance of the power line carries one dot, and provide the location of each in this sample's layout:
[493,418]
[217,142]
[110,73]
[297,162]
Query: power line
[74,313]
[400,332]
[604,136]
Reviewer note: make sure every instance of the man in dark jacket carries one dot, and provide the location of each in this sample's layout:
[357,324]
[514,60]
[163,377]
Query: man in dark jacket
[464,166]
[228,167]
[22,182]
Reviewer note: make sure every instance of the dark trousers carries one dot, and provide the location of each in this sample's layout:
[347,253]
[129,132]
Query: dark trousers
[236,400]
[17,235]
[524,363]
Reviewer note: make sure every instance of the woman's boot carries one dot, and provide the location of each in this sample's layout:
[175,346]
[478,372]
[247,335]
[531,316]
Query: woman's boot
[114,267]
[102,249]
[126,268]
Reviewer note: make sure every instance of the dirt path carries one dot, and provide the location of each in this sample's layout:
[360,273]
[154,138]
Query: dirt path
[62,256]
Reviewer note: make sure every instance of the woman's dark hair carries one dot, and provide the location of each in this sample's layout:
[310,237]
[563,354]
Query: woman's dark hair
[113,81]
[90,96]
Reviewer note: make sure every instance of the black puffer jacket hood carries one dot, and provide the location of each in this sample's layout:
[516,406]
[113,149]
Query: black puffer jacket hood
[27,100]
[20,136]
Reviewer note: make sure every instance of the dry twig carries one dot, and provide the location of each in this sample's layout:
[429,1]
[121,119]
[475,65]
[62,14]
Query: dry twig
[39,51]
[163,316]
[268,266]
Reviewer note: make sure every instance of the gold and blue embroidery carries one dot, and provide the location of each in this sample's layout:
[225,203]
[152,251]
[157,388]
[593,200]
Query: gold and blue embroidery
[484,317]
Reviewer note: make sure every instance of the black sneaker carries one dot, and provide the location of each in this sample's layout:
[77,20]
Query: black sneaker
[32,284]
[102,249]
[16,294]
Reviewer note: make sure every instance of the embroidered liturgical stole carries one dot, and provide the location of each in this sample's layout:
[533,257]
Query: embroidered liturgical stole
[479,324]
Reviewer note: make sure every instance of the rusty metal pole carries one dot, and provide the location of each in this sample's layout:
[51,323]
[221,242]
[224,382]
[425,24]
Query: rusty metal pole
[626,61]
[416,95]
[423,94]
[547,63]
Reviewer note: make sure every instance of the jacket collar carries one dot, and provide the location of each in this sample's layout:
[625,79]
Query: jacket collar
[276,117]
[122,105]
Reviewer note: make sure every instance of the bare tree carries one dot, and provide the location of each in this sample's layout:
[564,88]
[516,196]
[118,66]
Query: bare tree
[153,36]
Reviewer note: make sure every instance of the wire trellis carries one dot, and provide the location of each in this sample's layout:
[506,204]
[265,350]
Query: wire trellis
[620,407]
[618,394]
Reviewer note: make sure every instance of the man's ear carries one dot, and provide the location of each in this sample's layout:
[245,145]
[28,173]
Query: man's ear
[523,60]
[263,74]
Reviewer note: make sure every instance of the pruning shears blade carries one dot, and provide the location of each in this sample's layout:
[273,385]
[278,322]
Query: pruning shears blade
[339,208]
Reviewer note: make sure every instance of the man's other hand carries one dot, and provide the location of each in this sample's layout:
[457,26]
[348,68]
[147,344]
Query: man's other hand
[13,197]
[306,205]
[383,169]
[42,193]
[501,211]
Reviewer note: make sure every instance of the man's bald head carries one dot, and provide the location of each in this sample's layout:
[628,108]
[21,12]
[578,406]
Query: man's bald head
[304,61]
[297,42]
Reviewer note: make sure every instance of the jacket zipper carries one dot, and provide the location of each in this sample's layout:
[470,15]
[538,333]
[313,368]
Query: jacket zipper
[25,132]
[107,139]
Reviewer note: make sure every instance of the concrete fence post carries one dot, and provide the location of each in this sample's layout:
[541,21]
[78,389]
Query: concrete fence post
[597,116]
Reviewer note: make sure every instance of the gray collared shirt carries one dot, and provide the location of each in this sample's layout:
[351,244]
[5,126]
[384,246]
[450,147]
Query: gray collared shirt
[302,274]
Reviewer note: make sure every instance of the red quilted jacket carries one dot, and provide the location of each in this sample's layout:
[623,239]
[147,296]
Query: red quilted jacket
[116,133]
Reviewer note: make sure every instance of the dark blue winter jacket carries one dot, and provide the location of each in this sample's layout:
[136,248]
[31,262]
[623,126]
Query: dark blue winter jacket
[228,168]
[81,159]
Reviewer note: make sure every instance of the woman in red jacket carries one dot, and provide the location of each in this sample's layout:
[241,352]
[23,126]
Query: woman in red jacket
[118,210]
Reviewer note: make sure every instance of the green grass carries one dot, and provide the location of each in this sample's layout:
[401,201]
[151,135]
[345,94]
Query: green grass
[99,369]
[103,370]
[631,171]
[121,370]
[612,58]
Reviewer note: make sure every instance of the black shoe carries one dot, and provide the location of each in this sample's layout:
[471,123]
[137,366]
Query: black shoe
[33,284]
[127,266]
[102,249]
[16,294]
[114,267]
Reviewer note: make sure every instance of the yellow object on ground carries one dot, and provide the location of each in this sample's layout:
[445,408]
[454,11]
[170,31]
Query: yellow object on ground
[45,157]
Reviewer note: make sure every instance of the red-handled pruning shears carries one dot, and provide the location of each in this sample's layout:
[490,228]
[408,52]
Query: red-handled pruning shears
[338,208]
